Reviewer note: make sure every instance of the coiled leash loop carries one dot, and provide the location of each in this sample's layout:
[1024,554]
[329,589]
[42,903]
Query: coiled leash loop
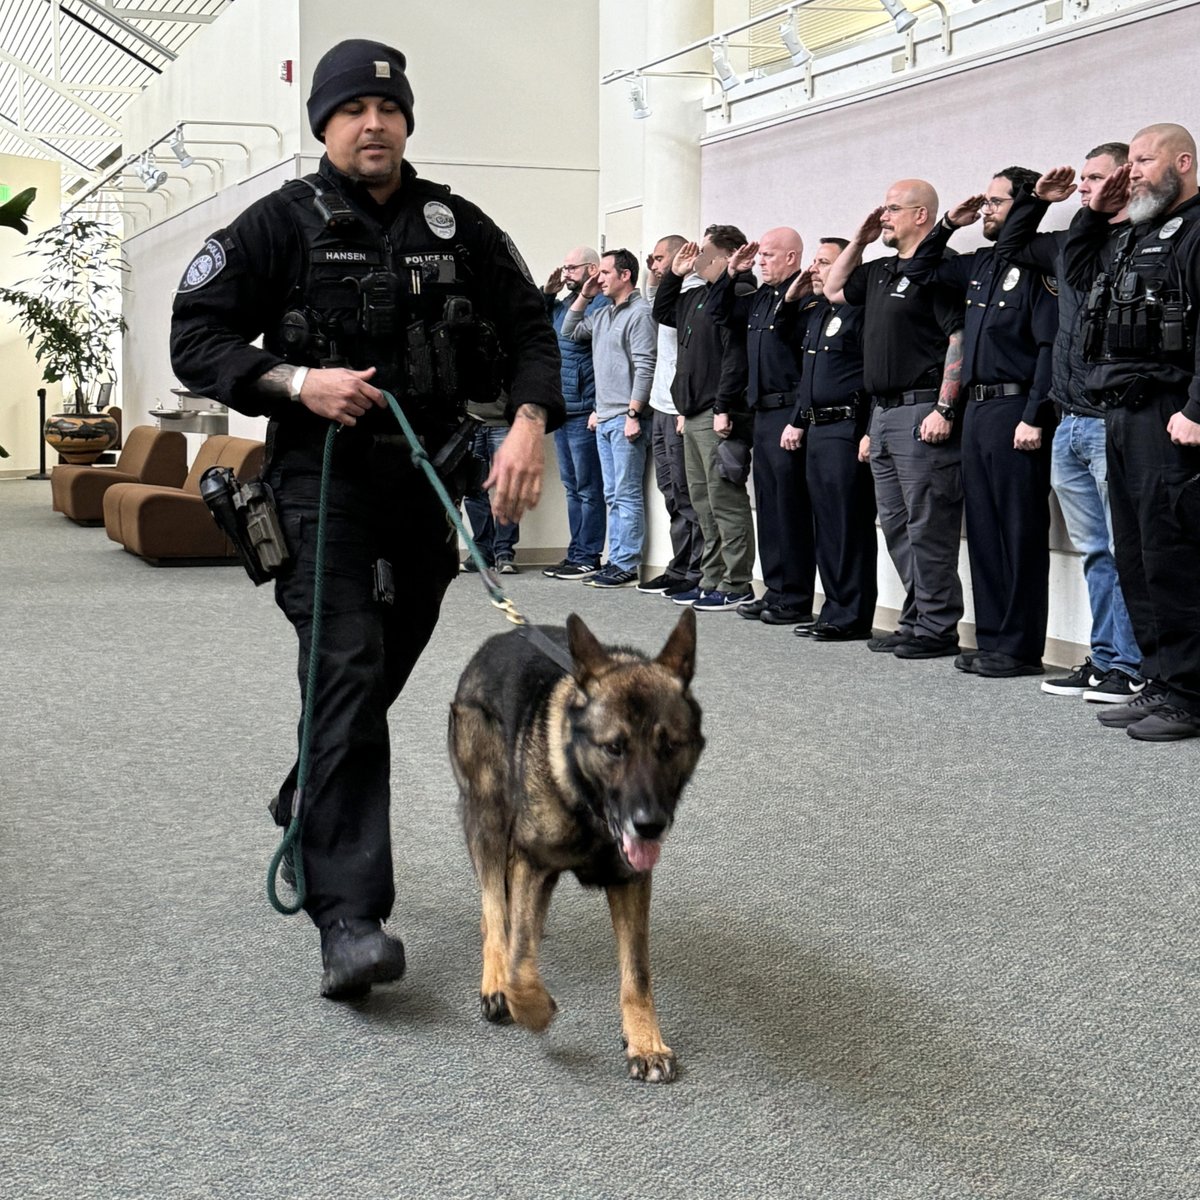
[291,838]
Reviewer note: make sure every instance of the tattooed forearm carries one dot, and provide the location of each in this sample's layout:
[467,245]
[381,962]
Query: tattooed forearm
[533,412]
[277,381]
[952,371]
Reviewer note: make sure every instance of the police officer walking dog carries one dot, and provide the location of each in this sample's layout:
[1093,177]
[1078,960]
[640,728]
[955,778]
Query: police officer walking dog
[363,277]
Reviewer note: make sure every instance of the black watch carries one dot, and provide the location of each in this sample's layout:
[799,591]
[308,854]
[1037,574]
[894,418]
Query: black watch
[945,412]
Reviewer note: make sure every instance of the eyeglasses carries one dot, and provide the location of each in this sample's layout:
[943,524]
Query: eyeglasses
[895,208]
[573,266]
[995,202]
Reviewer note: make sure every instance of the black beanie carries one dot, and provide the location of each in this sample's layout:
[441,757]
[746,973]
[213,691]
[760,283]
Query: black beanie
[358,68]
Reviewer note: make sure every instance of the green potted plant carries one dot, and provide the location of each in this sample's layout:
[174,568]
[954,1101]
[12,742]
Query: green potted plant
[70,313]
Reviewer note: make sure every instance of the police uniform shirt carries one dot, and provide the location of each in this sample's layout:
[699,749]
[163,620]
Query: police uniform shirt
[1010,319]
[1167,248]
[831,356]
[906,327]
[247,276]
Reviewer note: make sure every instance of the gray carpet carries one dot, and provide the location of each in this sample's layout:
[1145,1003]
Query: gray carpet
[916,935]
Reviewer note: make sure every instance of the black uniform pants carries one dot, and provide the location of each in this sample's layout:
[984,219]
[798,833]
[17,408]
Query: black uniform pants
[1006,500]
[785,528]
[842,494]
[379,506]
[1154,491]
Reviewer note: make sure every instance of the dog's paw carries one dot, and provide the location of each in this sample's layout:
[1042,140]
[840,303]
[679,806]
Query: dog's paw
[494,1008]
[652,1068]
[534,1008]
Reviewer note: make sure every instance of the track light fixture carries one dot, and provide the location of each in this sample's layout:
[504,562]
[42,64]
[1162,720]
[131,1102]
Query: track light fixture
[901,17]
[637,97]
[726,75]
[152,176]
[179,149]
[789,34]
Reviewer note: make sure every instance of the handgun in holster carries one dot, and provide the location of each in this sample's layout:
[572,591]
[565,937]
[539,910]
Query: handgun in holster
[245,513]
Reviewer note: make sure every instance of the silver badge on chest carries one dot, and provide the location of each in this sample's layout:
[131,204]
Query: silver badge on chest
[1171,228]
[440,219]
[835,324]
[1011,279]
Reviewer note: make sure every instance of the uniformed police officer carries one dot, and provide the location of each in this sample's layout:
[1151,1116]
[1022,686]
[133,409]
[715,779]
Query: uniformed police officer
[912,357]
[361,277]
[1140,336]
[785,531]
[830,415]
[1008,340]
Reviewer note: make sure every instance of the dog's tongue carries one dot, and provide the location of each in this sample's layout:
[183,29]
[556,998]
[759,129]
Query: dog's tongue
[642,855]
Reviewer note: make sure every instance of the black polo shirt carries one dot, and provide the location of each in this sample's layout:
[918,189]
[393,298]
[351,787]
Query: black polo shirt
[906,326]
[774,369]
[831,356]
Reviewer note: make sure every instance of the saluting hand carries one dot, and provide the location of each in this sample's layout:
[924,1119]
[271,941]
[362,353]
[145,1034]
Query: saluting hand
[1113,193]
[590,288]
[966,212]
[685,259]
[339,394]
[742,259]
[801,289]
[554,283]
[871,228]
[1056,184]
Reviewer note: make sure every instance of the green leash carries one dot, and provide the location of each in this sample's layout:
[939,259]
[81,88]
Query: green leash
[291,837]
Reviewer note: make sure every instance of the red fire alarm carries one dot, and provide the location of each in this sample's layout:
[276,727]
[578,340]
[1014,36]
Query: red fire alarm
[285,70]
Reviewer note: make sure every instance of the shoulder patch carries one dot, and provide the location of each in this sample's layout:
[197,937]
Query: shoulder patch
[205,267]
[512,249]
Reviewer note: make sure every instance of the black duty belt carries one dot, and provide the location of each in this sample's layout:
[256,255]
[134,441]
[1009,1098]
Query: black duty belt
[830,415]
[1137,394]
[917,396]
[771,400]
[992,391]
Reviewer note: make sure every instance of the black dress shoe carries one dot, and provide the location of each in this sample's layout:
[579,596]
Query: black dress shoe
[355,955]
[928,647]
[887,643]
[825,631]
[992,664]
[966,661]
[752,610]
[778,614]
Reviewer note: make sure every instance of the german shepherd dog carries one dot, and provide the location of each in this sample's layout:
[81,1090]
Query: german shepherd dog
[572,771]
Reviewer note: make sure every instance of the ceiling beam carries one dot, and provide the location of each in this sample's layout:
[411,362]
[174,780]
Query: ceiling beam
[156,14]
[125,27]
[59,89]
[47,151]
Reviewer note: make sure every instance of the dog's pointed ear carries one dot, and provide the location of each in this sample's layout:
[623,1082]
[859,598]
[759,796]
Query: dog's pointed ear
[587,652]
[679,654]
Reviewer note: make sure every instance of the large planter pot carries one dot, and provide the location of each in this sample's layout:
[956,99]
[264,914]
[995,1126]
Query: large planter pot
[81,437]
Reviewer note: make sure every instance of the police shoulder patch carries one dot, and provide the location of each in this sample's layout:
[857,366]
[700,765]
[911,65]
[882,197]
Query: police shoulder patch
[205,267]
[516,254]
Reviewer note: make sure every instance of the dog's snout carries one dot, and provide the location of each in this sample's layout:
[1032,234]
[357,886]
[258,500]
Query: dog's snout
[648,826]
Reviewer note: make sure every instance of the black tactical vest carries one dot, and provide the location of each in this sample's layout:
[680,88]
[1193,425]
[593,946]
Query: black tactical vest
[403,300]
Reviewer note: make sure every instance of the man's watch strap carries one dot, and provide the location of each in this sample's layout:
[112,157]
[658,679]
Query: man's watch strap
[945,411]
[633,414]
[297,382]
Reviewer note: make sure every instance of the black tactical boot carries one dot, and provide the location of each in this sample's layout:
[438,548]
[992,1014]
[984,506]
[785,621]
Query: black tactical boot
[357,954]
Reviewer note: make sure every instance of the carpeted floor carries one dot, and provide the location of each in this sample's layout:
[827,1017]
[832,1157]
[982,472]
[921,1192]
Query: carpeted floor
[917,935]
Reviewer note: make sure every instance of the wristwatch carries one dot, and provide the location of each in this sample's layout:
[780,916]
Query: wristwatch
[945,412]
[633,414]
[297,382]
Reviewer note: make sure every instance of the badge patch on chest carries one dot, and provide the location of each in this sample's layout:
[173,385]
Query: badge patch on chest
[835,323]
[1171,228]
[440,219]
[206,266]
[1011,279]
[902,286]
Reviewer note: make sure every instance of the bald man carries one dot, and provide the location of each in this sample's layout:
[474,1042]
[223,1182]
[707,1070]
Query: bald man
[1140,340]
[574,442]
[912,364]
[786,557]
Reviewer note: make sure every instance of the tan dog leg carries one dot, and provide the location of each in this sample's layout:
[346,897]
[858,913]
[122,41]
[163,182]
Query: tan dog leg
[494,927]
[648,1056]
[529,894]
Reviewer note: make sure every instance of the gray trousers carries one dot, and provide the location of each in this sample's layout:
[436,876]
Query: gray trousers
[723,510]
[919,497]
[687,540]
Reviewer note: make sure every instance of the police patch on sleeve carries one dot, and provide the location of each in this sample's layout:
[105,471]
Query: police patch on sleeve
[512,249]
[206,266]
[440,219]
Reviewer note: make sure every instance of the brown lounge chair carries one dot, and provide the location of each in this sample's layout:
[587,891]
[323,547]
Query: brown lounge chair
[150,455]
[172,526]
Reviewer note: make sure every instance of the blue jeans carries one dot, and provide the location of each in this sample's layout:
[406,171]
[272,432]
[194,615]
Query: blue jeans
[623,465]
[494,539]
[579,469]
[1079,476]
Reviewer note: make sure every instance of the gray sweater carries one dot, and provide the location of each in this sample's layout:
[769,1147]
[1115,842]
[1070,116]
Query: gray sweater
[624,341]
